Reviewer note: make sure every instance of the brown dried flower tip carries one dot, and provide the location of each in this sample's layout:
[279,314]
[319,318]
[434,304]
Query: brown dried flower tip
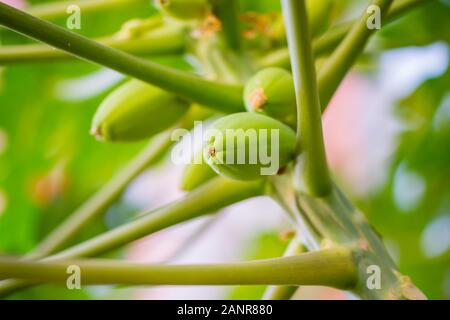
[282,170]
[210,26]
[257,99]
[212,151]
[97,133]
[258,24]
[255,24]
[287,235]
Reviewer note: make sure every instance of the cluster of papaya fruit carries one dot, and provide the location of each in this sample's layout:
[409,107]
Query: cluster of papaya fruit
[137,110]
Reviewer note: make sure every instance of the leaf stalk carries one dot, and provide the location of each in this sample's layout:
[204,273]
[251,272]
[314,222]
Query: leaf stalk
[314,169]
[332,267]
[224,97]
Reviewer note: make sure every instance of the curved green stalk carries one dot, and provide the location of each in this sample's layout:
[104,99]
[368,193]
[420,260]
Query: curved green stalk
[309,124]
[102,199]
[228,12]
[333,267]
[157,42]
[331,39]
[339,63]
[53,10]
[285,292]
[224,97]
[214,195]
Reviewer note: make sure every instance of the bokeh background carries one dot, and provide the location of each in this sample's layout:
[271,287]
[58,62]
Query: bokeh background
[387,137]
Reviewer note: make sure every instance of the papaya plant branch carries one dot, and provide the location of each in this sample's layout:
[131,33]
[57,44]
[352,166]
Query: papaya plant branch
[58,9]
[311,148]
[336,222]
[228,12]
[339,63]
[333,267]
[331,39]
[224,97]
[157,42]
[285,292]
[214,195]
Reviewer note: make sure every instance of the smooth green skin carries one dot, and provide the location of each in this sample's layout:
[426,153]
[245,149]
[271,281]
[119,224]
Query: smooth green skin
[197,173]
[184,9]
[278,87]
[319,15]
[246,121]
[136,111]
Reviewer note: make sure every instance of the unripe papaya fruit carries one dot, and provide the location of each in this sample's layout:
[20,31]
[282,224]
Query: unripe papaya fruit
[249,146]
[319,15]
[271,92]
[196,173]
[184,9]
[135,111]
[137,27]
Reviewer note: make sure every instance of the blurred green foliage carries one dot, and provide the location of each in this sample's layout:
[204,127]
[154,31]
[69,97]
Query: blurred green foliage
[423,152]
[49,164]
[422,157]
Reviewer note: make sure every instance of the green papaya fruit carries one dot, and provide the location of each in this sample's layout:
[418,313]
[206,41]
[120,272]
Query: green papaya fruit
[136,111]
[319,15]
[249,146]
[184,9]
[271,92]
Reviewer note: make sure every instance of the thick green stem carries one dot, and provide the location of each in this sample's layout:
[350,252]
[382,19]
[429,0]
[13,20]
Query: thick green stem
[339,63]
[227,98]
[336,222]
[58,9]
[331,39]
[285,292]
[166,40]
[214,195]
[309,123]
[334,268]
[228,12]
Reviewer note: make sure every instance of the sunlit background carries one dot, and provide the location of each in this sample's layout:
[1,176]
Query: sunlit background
[387,138]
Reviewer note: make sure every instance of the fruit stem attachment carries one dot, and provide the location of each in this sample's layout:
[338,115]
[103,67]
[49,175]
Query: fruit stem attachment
[311,148]
[332,267]
[224,97]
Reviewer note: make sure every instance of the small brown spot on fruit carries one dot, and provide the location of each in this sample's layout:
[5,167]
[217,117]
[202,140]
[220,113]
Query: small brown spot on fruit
[212,151]
[287,235]
[281,171]
[97,133]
